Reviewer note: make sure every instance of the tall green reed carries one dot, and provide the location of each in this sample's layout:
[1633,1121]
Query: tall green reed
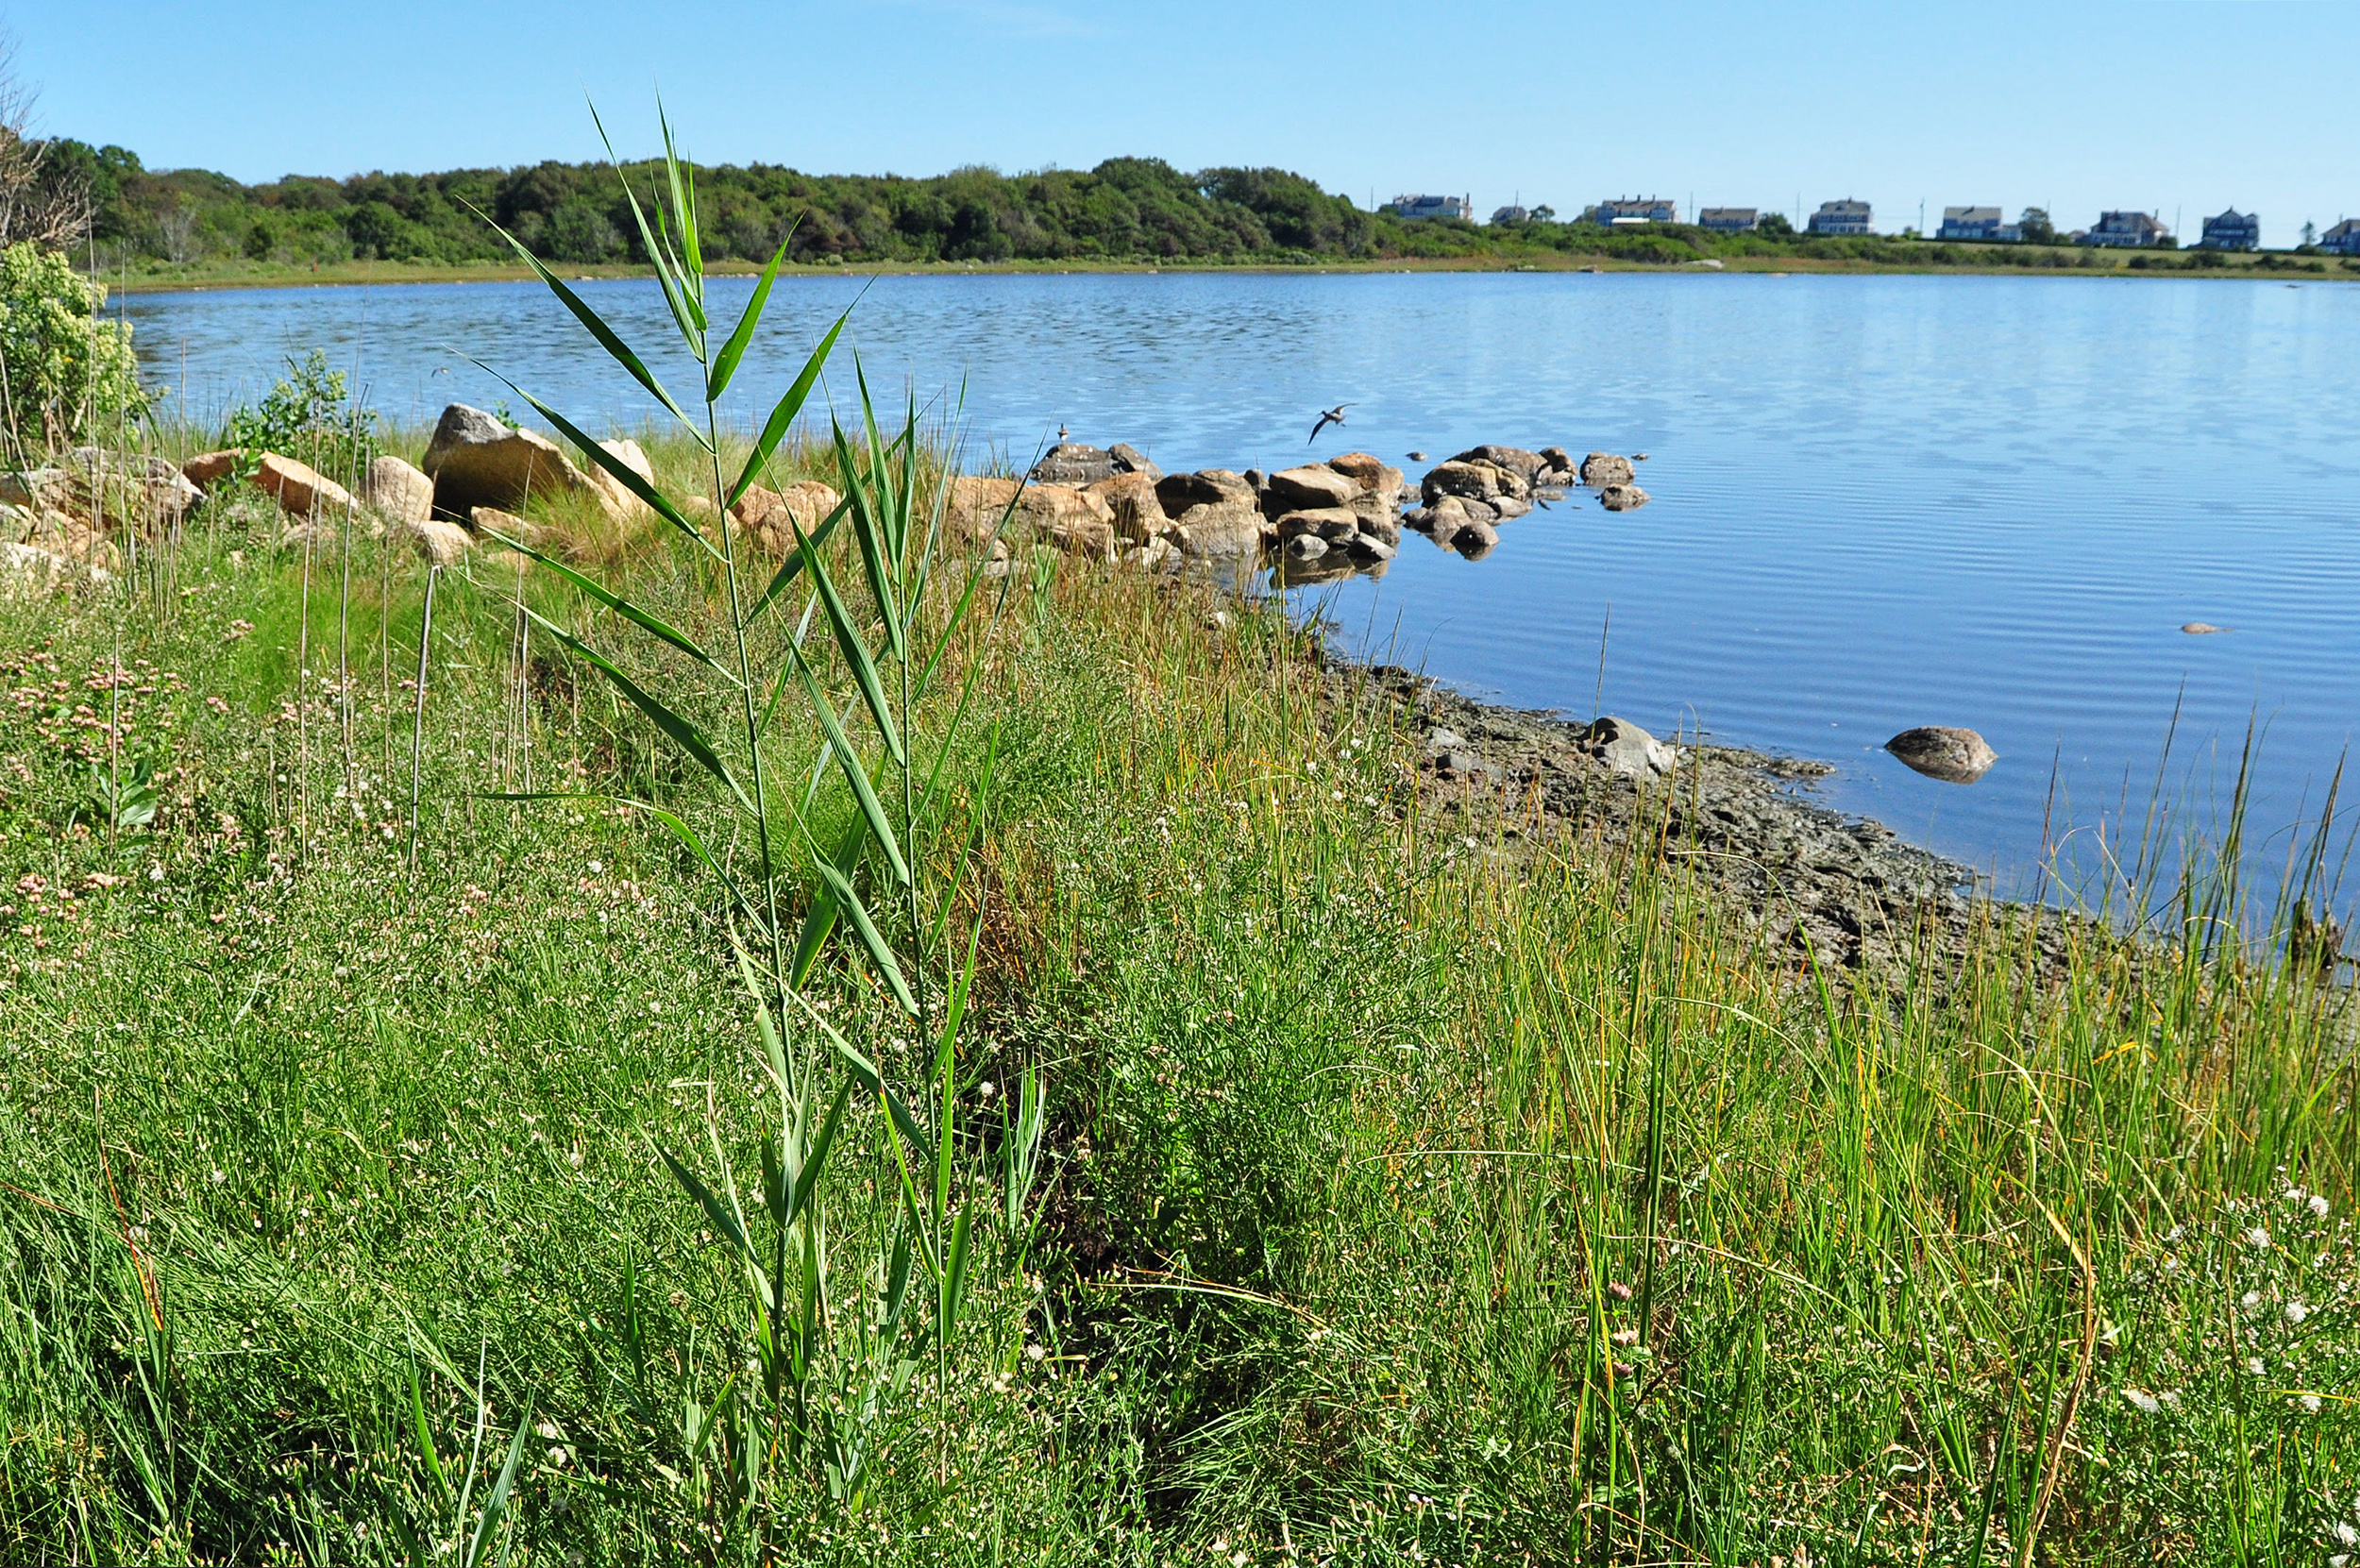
[827,1379]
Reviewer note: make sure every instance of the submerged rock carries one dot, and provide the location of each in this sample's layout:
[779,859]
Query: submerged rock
[1622,498]
[1943,752]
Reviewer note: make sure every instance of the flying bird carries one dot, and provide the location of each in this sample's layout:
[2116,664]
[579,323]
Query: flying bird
[1333,416]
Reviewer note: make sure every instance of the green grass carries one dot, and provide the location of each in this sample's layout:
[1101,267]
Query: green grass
[1408,1199]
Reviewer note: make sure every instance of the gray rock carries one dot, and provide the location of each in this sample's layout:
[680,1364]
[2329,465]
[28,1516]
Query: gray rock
[1306,547]
[1442,738]
[1130,460]
[1416,457]
[1466,764]
[1386,528]
[1071,463]
[473,459]
[1365,548]
[1943,752]
[1509,506]
[1627,748]
[1622,498]
[1481,512]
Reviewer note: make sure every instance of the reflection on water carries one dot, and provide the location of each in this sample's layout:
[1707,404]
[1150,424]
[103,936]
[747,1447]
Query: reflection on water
[1878,502]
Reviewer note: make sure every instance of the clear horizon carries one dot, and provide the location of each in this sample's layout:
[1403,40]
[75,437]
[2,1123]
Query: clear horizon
[2173,106]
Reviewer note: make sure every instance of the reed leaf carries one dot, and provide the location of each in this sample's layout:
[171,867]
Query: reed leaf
[880,952]
[819,919]
[608,339]
[855,651]
[621,471]
[725,362]
[872,808]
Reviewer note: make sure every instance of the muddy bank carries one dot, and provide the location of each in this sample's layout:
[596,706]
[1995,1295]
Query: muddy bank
[1844,890]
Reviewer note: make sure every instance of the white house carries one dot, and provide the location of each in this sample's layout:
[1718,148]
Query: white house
[1730,220]
[1635,210]
[1841,217]
[2344,239]
[1972,223]
[2232,230]
[1433,206]
[2126,229]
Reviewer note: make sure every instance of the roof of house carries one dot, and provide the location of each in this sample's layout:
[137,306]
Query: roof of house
[1844,208]
[2350,226]
[1970,214]
[2233,215]
[1706,215]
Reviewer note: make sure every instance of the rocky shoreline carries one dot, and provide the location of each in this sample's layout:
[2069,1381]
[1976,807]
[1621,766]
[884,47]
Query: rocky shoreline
[1843,892]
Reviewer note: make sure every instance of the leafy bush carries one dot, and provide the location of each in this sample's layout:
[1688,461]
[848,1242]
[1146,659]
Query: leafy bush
[312,416]
[64,372]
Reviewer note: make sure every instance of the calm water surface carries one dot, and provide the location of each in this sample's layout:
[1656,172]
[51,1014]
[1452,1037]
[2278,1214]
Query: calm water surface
[1879,502]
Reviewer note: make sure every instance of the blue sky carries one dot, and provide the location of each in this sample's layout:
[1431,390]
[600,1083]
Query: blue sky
[2079,105]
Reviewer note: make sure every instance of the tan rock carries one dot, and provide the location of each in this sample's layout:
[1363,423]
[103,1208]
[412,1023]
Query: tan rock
[299,490]
[1074,520]
[1622,498]
[208,469]
[442,544]
[771,518]
[475,461]
[1205,487]
[1475,482]
[398,489]
[1221,528]
[1605,469]
[1313,485]
[1139,513]
[973,508]
[613,492]
[113,488]
[489,520]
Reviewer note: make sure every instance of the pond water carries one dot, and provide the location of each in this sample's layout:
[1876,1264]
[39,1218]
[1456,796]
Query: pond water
[1878,502]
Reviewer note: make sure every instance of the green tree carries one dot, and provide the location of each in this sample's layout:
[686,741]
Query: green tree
[2035,227]
[64,371]
[1775,226]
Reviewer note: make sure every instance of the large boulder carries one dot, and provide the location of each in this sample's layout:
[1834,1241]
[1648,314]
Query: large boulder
[1225,529]
[1943,752]
[1312,486]
[770,517]
[474,459]
[1626,749]
[1070,462]
[1205,487]
[1074,520]
[1605,469]
[1475,482]
[1132,500]
[300,490]
[207,469]
[974,505]
[398,489]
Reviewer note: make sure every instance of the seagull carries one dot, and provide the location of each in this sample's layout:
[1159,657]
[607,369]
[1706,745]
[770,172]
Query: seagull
[1333,416]
[1061,432]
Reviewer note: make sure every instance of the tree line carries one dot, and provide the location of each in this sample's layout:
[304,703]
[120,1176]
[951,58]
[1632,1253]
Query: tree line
[1138,209]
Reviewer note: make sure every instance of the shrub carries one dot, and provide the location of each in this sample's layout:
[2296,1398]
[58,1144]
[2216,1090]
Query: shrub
[63,370]
[312,416]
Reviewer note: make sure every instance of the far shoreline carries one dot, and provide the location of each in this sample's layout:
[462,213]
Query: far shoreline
[384,273]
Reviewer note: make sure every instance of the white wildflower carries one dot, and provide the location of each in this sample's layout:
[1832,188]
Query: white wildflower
[2253,1366]
[2258,1239]
[2147,1404]
[2310,1403]
[2346,1535]
[596,866]
[2319,1205]
[2296,1311]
